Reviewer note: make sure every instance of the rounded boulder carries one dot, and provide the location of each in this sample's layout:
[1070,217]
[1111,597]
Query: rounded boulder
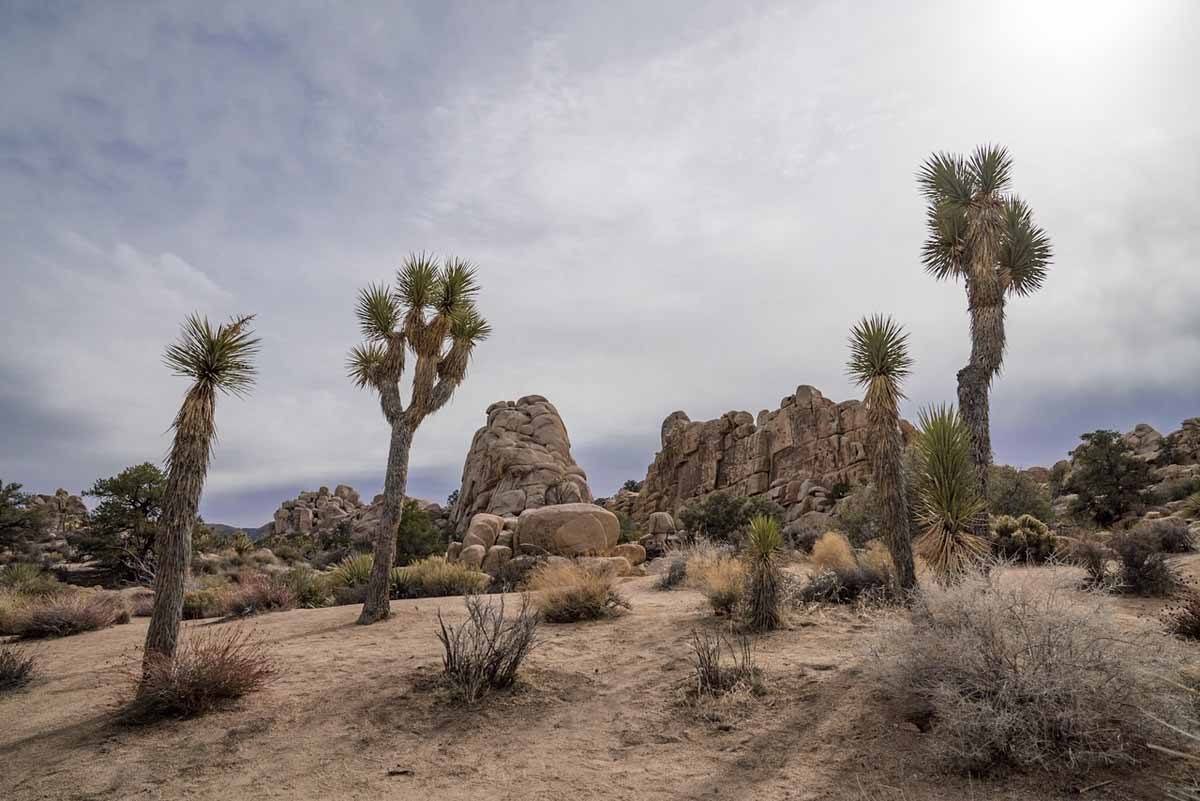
[569,529]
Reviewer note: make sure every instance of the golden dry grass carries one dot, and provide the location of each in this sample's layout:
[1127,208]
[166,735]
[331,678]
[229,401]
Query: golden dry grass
[567,593]
[719,575]
[832,551]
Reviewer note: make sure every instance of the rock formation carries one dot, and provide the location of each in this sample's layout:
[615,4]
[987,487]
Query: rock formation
[520,460]
[320,514]
[791,455]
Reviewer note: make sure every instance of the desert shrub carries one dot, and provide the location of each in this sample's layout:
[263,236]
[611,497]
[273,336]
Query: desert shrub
[210,668]
[353,571]
[434,577]
[1183,618]
[1176,489]
[628,531]
[1024,538]
[711,675]
[1191,506]
[1093,555]
[632,484]
[722,517]
[69,613]
[762,598]
[1144,569]
[10,603]
[417,537]
[1171,533]
[1013,493]
[309,588]
[242,544]
[860,515]
[676,573]
[1024,676]
[486,650]
[257,593]
[206,602]
[568,593]
[718,575]
[27,578]
[839,490]
[17,667]
[801,535]
[843,576]
[1109,480]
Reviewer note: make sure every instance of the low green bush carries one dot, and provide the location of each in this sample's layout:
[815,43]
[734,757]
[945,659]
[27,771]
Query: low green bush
[1024,538]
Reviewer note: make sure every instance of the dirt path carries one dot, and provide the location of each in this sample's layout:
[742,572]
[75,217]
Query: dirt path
[598,717]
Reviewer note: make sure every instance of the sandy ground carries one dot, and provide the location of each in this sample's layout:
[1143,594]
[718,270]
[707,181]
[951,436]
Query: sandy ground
[356,714]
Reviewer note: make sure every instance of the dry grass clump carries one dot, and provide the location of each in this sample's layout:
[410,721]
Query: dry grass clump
[485,651]
[718,574]
[210,668]
[844,576]
[1171,533]
[257,593]
[676,573]
[25,578]
[67,614]
[567,593]
[434,577]
[1183,618]
[712,677]
[833,551]
[1019,675]
[17,667]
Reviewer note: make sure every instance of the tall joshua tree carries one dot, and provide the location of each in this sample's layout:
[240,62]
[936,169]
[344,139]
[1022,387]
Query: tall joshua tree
[431,312]
[879,361]
[215,360]
[979,231]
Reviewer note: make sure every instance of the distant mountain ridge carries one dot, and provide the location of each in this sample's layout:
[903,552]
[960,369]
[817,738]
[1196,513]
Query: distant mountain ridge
[254,534]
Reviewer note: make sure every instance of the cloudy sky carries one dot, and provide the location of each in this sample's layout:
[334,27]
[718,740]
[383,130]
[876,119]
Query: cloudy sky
[674,205]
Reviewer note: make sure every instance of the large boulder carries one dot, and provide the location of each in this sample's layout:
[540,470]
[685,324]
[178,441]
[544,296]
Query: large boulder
[484,530]
[569,529]
[521,459]
[631,551]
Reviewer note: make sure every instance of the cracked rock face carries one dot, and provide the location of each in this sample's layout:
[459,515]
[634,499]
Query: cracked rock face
[788,455]
[520,460]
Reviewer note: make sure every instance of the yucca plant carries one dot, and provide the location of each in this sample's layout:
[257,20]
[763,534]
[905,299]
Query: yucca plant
[219,359]
[762,544]
[353,571]
[980,232]
[880,362]
[1191,506]
[430,312]
[949,505]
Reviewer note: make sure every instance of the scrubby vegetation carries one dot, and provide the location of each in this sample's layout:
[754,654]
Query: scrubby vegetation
[569,593]
[1144,569]
[17,667]
[1014,493]
[210,668]
[1183,617]
[1171,534]
[711,675]
[1016,676]
[676,573]
[485,651]
[845,576]
[1024,539]
[762,599]
[1093,555]
[1110,481]
[719,575]
[721,517]
[65,614]
[434,577]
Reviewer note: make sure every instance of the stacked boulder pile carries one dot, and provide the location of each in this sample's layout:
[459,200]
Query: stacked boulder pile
[320,514]
[513,546]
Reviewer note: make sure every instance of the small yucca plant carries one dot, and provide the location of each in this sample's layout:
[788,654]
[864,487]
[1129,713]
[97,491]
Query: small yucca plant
[763,543]
[353,571]
[949,506]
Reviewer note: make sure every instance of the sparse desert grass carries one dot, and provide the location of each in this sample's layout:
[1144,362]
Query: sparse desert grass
[676,573]
[10,603]
[206,602]
[1020,675]
[309,588]
[833,551]
[1144,569]
[257,593]
[1191,506]
[1183,618]
[485,651]
[712,675]
[718,574]
[1093,555]
[567,593]
[1171,533]
[212,667]
[68,613]
[843,576]
[434,577]
[29,579]
[17,667]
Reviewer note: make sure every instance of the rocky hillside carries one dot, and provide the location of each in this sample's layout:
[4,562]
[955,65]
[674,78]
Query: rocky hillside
[323,513]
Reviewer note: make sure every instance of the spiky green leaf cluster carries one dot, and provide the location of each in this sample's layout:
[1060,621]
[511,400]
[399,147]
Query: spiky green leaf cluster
[764,538]
[958,188]
[879,354]
[378,311]
[215,358]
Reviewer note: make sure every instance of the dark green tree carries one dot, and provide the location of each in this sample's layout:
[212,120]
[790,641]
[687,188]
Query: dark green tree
[123,527]
[417,537]
[1110,481]
[19,523]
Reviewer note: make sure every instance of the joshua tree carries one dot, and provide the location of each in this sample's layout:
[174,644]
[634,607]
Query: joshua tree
[220,359]
[981,232]
[431,311]
[950,507]
[879,361]
[764,542]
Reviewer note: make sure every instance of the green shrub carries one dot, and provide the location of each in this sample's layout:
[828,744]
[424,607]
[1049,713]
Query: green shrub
[353,571]
[17,667]
[628,532]
[1013,493]
[485,651]
[1023,538]
[1191,506]
[1176,489]
[417,537]
[859,516]
[205,603]
[210,668]
[434,577]
[722,517]
[1144,567]
[29,579]
[1110,481]
[308,587]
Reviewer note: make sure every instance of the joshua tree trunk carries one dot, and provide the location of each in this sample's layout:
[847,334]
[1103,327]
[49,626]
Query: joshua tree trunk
[986,307]
[185,481]
[377,605]
[886,463]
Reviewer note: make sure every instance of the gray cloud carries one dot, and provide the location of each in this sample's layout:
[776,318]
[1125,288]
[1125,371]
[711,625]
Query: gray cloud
[675,205]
